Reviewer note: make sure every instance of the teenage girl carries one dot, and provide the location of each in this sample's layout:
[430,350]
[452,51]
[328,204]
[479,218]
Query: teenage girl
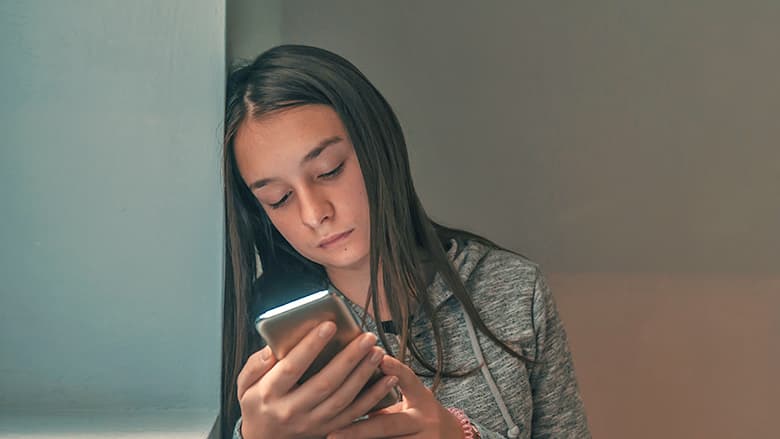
[317,182]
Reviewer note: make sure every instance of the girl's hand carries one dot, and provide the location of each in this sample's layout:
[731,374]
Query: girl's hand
[419,415]
[274,406]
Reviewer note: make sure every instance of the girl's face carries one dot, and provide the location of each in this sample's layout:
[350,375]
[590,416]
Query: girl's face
[300,164]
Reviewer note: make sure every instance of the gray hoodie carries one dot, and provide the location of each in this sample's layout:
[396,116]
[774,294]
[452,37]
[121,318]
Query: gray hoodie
[506,398]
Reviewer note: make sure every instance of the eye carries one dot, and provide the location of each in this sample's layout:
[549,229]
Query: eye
[281,202]
[333,173]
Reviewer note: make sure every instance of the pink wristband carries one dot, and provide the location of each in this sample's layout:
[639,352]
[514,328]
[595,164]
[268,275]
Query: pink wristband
[468,430]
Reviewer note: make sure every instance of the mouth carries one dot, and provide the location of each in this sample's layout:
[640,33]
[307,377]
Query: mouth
[332,239]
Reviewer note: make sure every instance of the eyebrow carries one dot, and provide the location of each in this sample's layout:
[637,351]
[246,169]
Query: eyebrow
[311,155]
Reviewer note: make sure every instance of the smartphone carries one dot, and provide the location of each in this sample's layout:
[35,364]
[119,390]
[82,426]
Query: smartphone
[283,327]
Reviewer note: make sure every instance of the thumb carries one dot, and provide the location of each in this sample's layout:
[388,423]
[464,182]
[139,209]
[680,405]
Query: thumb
[412,388]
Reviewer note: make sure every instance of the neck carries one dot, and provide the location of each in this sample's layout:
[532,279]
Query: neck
[354,283]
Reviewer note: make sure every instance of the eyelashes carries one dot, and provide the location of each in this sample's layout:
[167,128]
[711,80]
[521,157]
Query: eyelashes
[326,176]
[334,172]
[279,203]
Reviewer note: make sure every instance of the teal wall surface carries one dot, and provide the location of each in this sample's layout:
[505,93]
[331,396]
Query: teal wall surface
[110,204]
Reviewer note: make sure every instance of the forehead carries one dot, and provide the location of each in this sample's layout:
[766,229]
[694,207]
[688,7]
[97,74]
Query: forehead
[275,144]
[293,130]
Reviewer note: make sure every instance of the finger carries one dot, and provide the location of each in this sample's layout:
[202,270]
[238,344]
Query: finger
[288,371]
[365,402]
[329,397]
[395,408]
[413,389]
[391,425]
[342,374]
[346,393]
[257,365]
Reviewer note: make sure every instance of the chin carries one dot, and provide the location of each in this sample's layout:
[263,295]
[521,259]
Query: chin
[346,260]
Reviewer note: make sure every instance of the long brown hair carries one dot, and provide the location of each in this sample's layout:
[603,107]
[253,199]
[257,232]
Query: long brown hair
[294,75]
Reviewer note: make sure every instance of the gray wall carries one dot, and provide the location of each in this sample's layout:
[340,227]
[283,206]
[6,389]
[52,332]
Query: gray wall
[591,136]
[110,222]
[252,26]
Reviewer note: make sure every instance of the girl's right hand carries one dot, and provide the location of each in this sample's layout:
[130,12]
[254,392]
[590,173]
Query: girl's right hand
[274,406]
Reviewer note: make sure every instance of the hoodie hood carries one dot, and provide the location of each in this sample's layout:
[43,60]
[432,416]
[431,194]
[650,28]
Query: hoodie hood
[464,255]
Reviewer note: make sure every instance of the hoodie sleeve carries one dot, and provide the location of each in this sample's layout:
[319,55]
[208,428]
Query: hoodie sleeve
[484,433]
[558,411]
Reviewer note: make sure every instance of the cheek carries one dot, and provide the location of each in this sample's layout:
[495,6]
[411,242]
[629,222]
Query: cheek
[358,197]
[284,223]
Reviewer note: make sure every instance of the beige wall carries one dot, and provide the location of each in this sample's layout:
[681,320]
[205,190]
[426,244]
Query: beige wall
[632,149]
[675,356]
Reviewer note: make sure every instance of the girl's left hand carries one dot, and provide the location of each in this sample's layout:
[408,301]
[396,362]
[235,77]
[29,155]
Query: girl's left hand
[419,415]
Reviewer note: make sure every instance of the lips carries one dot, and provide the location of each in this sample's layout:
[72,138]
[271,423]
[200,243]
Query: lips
[333,239]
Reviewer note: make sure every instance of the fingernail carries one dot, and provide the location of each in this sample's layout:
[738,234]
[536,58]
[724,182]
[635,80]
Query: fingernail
[265,354]
[376,356]
[326,329]
[387,365]
[392,381]
[368,341]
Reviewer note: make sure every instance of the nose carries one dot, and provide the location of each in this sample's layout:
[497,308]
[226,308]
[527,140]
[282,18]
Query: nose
[315,208]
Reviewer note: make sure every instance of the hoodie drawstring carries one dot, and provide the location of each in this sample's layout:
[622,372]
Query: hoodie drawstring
[513,430]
